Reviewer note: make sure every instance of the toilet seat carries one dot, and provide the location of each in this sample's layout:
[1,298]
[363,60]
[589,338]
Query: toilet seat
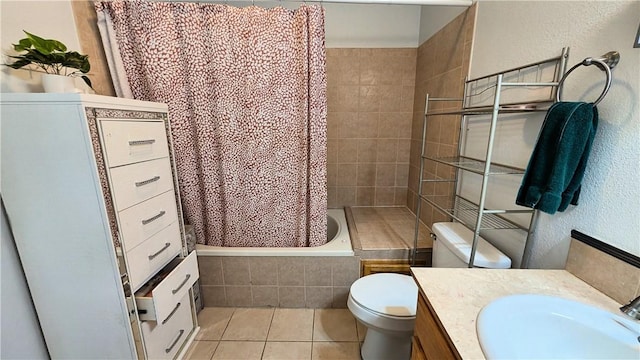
[388,295]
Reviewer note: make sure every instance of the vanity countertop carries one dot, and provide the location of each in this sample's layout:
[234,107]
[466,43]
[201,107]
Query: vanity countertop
[458,295]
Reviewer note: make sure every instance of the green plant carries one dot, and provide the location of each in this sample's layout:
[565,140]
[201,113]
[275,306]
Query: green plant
[51,56]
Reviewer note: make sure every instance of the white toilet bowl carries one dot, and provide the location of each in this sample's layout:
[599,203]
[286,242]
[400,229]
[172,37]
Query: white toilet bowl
[386,305]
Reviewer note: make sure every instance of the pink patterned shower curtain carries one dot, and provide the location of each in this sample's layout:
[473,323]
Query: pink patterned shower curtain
[246,89]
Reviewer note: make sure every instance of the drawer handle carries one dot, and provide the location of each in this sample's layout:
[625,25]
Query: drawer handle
[166,246]
[186,278]
[153,218]
[147,182]
[141,142]
[171,314]
[174,342]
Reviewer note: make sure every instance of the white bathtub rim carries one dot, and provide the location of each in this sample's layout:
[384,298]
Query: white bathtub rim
[339,246]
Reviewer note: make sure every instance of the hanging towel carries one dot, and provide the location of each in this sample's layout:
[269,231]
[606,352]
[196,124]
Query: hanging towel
[556,168]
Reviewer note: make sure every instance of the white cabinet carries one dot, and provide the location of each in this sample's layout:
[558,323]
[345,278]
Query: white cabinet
[90,190]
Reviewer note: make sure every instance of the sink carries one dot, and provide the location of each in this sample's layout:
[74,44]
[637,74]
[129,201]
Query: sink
[547,327]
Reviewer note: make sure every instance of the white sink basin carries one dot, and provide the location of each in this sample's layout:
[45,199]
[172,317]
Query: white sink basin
[547,327]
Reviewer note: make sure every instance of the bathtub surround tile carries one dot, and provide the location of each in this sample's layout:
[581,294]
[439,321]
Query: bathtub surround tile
[385,174]
[291,325]
[265,296]
[213,321]
[336,351]
[383,110]
[317,271]
[213,295]
[340,296]
[239,296]
[346,174]
[210,268]
[365,195]
[385,196]
[346,195]
[235,350]
[318,297]
[334,325]
[291,297]
[249,324]
[366,174]
[263,270]
[236,270]
[367,150]
[287,351]
[201,350]
[442,63]
[347,151]
[345,270]
[291,271]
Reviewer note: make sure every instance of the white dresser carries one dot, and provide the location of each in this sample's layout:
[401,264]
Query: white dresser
[90,190]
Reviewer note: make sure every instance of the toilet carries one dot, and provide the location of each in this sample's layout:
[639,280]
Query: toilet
[386,302]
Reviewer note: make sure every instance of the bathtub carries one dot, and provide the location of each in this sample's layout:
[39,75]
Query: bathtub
[337,231]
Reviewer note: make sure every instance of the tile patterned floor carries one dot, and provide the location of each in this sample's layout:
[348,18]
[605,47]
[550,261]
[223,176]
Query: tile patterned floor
[276,334]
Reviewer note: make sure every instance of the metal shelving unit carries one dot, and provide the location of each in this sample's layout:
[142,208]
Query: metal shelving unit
[531,88]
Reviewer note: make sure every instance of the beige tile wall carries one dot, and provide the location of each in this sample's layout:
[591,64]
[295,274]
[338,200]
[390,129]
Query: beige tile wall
[370,96]
[442,64]
[288,282]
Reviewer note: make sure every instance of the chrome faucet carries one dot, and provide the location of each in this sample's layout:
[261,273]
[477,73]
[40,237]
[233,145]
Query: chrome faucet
[632,309]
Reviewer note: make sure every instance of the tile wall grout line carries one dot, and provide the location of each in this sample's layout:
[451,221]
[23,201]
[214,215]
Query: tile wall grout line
[313,328]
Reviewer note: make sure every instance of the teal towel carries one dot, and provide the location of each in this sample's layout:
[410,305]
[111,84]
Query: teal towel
[556,168]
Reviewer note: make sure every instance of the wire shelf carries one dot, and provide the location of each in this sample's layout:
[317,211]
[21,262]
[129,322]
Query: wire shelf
[477,166]
[466,212]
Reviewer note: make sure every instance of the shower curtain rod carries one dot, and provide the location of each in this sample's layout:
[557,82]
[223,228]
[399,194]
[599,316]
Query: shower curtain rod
[378,2]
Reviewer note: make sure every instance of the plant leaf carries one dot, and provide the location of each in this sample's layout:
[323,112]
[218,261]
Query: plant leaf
[86,80]
[19,63]
[57,45]
[22,45]
[39,43]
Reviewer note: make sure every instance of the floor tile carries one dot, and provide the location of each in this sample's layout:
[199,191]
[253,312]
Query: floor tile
[334,325]
[249,324]
[239,350]
[201,350]
[291,325]
[335,351]
[213,321]
[275,350]
[362,330]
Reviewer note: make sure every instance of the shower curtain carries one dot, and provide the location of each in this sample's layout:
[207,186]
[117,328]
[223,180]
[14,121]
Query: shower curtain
[246,90]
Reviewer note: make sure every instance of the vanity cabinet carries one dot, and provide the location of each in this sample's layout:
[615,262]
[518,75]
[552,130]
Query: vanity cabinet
[430,341]
[90,189]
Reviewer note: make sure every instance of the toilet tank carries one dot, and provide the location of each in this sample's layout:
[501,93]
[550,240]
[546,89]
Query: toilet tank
[452,248]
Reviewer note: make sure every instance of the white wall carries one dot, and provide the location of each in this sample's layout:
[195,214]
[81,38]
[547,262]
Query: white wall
[52,19]
[435,17]
[513,33]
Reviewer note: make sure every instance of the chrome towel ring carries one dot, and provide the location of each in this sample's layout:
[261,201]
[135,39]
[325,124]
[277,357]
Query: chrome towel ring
[607,62]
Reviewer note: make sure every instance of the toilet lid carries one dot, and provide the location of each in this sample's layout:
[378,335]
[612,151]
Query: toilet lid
[384,293]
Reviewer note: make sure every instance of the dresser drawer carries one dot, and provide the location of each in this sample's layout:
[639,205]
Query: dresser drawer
[135,183]
[128,142]
[144,220]
[159,299]
[164,340]
[153,254]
